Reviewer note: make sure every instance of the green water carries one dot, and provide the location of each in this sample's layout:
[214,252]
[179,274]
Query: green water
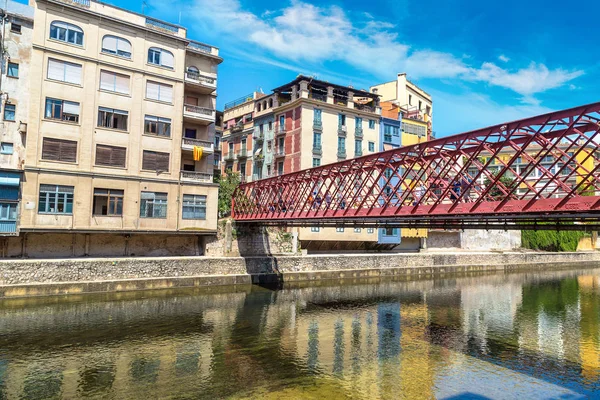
[529,335]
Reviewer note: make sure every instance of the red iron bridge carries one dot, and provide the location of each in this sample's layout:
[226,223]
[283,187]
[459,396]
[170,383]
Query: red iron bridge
[535,173]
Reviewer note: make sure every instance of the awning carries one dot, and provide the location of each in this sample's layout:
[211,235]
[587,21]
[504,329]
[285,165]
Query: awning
[10,178]
[257,152]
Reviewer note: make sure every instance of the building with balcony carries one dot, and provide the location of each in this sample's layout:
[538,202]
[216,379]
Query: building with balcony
[129,170]
[14,86]
[217,157]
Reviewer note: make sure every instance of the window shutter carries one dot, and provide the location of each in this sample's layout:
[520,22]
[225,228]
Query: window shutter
[124,45]
[56,70]
[110,43]
[107,80]
[162,162]
[59,150]
[111,156]
[73,73]
[149,160]
[70,107]
[122,84]
[166,93]
[152,90]
[167,59]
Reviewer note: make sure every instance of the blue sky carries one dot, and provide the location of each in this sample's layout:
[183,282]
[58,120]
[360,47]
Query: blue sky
[483,62]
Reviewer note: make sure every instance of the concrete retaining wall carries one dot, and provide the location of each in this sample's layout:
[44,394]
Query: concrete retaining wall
[43,277]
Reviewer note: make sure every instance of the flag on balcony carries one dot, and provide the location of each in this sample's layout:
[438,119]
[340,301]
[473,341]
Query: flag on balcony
[197,153]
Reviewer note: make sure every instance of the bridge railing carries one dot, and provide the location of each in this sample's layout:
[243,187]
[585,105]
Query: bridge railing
[540,167]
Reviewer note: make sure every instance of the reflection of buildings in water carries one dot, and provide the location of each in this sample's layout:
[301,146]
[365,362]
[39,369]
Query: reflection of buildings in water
[589,347]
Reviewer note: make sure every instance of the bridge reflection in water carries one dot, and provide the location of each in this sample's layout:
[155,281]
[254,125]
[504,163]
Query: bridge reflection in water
[521,335]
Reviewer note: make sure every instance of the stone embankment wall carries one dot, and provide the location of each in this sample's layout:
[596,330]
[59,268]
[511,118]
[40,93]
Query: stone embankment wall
[44,277]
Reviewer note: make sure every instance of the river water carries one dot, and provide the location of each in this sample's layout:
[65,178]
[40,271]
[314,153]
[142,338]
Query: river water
[527,335]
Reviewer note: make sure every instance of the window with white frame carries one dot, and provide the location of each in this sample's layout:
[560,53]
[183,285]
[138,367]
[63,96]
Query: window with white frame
[159,91]
[157,126]
[162,57]
[114,82]
[153,205]
[64,71]
[116,45]
[194,206]
[62,109]
[65,32]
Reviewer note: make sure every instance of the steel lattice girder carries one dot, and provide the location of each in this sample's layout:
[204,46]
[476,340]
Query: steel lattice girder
[543,167]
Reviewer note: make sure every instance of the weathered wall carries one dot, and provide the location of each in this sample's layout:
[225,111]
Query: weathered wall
[474,239]
[85,275]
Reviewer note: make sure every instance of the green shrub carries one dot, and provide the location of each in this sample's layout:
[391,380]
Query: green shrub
[552,240]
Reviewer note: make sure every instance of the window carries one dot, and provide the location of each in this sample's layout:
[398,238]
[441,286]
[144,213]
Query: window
[155,161]
[59,150]
[116,45]
[339,230]
[258,107]
[159,91]
[315,229]
[371,146]
[62,110]
[370,230]
[114,82]
[357,230]
[358,147]
[316,162]
[316,140]
[194,207]
[410,99]
[341,120]
[271,103]
[66,33]
[358,122]
[159,126]
[270,125]
[420,104]
[419,130]
[15,28]
[9,112]
[190,133]
[317,116]
[111,156]
[341,144]
[64,71]
[371,124]
[55,199]
[111,118]
[153,205]
[8,212]
[280,168]
[160,57]
[390,231]
[6,148]
[282,123]
[13,70]
[108,202]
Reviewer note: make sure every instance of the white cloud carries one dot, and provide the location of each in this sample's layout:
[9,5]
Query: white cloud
[503,58]
[309,34]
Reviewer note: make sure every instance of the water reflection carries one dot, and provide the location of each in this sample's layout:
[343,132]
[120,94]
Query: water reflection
[519,335]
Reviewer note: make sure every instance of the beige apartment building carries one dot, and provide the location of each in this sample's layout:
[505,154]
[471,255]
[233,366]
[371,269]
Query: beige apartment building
[120,145]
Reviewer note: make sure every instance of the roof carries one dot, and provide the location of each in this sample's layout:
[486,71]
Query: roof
[314,81]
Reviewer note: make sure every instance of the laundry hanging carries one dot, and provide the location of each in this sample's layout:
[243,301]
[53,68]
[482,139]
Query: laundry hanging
[197,153]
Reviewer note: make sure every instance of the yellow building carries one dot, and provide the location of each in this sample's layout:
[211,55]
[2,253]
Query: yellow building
[120,135]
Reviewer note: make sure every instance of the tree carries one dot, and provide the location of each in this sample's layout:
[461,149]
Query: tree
[496,192]
[227,185]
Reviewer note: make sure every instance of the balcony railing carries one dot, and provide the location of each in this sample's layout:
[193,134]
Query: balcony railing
[342,129]
[204,48]
[280,152]
[197,142]
[242,153]
[318,96]
[229,157]
[364,107]
[195,76]
[198,110]
[159,25]
[358,153]
[259,137]
[83,3]
[241,100]
[317,149]
[280,130]
[358,132]
[196,176]
[317,124]
[341,153]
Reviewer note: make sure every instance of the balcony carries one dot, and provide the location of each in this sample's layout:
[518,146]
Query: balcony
[217,164]
[318,96]
[194,176]
[199,114]
[189,143]
[358,132]
[153,24]
[342,130]
[202,48]
[341,153]
[259,158]
[229,157]
[280,130]
[358,153]
[81,3]
[242,153]
[259,137]
[200,80]
[318,125]
[280,152]
[364,107]
[317,150]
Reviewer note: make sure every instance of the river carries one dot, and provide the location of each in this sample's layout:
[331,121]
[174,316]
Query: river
[532,335]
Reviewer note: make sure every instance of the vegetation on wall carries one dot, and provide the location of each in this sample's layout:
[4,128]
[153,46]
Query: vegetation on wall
[227,185]
[552,240]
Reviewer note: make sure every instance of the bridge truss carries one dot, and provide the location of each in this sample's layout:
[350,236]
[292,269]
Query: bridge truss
[536,173]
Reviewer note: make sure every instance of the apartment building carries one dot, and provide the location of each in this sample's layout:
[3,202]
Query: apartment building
[119,155]
[17,20]
[217,157]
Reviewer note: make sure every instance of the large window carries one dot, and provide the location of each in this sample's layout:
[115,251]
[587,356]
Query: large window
[341,144]
[358,122]
[157,126]
[8,211]
[159,91]
[371,124]
[316,140]
[155,161]
[116,45]
[64,71]
[66,33]
[358,147]
[341,120]
[153,205]
[111,156]
[114,82]
[317,116]
[9,112]
[62,109]
[111,118]
[160,57]
[59,150]
[194,206]
[56,199]
[108,202]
